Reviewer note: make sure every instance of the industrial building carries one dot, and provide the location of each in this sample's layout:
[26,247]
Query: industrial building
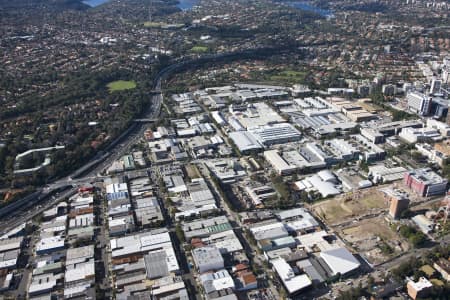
[269,231]
[268,135]
[281,166]
[207,258]
[138,245]
[298,220]
[226,170]
[258,194]
[218,285]
[258,114]
[324,182]
[372,135]
[245,141]
[203,228]
[340,261]
[292,282]
[425,182]
[383,174]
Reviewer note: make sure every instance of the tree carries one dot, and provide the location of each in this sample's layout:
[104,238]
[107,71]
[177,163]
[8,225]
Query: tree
[180,233]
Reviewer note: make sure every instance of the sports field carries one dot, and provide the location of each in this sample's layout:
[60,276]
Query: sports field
[121,85]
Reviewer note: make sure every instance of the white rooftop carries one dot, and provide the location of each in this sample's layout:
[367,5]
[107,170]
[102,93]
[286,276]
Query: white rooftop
[80,271]
[421,284]
[139,243]
[340,260]
[291,282]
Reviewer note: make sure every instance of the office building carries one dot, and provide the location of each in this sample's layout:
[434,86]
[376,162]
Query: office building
[425,182]
[435,86]
[419,103]
[399,202]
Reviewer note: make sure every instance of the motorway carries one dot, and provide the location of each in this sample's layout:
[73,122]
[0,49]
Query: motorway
[44,200]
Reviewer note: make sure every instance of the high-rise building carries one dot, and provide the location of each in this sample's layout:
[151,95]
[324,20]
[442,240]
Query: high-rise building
[399,203]
[448,116]
[389,89]
[419,103]
[435,87]
[445,76]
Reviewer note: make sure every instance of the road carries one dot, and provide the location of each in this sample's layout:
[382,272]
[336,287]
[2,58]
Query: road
[20,216]
[130,136]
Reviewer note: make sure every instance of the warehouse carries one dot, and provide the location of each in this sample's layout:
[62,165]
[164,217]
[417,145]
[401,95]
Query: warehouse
[245,141]
[340,261]
[207,258]
[382,174]
[292,282]
[205,227]
[281,166]
[269,231]
[325,186]
[144,243]
[225,241]
[276,134]
[304,159]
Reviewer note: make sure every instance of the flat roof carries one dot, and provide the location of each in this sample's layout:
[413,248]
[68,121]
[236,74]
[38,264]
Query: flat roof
[75,255]
[245,141]
[140,243]
[291,282]
[278,162]
[266,231]
[206,255]
[10,244]
[80,271]
[155,264]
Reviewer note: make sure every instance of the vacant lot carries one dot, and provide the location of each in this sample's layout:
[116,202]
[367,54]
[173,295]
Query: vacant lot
[374,238]
[350,206]
[192,171]
[121,85]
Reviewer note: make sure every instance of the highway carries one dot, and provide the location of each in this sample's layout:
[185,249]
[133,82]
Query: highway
[16,213]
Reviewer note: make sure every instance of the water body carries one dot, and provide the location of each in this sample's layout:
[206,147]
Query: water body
[308,7]
[186,4]
[94,3]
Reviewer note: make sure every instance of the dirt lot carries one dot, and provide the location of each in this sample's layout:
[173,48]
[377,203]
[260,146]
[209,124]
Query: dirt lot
[192,171]
[350,206]
[374,239]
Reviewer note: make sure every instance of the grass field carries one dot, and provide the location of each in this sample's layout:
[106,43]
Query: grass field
[121,85]
[289,76]
[161,25]
[154,24]
[199,49]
